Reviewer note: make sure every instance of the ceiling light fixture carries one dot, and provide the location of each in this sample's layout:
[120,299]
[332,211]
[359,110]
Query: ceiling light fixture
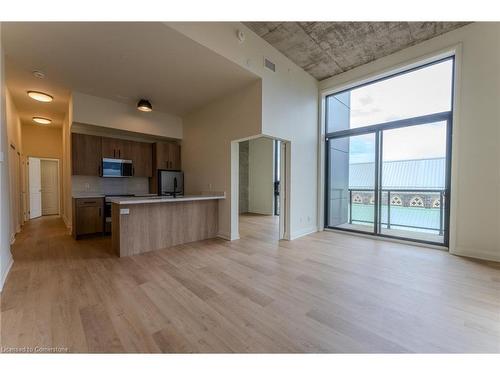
[40,96]
[42,120]
[144,105]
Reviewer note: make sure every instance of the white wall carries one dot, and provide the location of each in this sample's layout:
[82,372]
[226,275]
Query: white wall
[289,109]
[94,110]
[5,255]
[261,176]
[475,190]
[14,140]
[206,147]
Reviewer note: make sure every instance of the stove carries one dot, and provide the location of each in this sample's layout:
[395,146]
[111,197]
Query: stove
[107,209]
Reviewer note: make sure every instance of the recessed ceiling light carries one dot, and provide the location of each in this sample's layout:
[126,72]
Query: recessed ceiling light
[42,120]
[40,96]
[144,106]
[38,74]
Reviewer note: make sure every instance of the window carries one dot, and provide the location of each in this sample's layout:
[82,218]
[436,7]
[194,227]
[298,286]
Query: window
[388,155]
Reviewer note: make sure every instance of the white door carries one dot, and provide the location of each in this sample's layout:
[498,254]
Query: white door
[35,188]
[50,187]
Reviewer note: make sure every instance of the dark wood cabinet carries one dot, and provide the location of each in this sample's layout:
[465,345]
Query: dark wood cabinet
[86,157]
[88,216]
[167,156]
[142,159]
[115,148]
[147,158]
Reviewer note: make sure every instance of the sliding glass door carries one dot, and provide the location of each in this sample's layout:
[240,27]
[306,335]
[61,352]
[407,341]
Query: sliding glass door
[391,178]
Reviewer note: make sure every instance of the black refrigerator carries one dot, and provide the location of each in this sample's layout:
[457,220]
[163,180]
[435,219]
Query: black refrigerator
[170,183]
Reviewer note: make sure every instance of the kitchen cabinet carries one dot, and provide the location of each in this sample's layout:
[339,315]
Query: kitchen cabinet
[88,216]
[142,159]
[86,157]
[115,148]
[166,156]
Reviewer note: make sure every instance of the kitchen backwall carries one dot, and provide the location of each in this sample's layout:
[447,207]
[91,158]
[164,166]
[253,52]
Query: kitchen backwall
[107,186]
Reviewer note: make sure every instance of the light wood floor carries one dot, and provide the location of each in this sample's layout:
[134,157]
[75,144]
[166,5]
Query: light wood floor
[325,292]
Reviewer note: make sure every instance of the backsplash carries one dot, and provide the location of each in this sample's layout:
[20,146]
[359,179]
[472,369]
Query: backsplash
[99,185]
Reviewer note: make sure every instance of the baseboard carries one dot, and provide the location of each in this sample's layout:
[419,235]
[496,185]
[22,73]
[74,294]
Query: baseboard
[227,236]
[303,233]
[484,255]
[7,270]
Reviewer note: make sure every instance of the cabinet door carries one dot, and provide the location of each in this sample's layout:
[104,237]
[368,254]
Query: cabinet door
[88,216]
[125,149]
[109,148]
[86,157]
[174,156]
[142,159]
[161,155]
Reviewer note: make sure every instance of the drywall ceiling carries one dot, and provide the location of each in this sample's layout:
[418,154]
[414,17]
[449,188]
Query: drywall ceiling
[122,61]
[324,49]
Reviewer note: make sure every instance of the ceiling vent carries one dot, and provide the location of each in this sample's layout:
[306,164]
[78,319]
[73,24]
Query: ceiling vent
[269,64]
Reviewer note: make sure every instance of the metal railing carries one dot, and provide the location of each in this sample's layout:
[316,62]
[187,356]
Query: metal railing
[388,202]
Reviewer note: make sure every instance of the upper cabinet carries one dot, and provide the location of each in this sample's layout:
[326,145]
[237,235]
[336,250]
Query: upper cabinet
[167,156]
[142,159]
[117,148]
[88,151]
[86,155]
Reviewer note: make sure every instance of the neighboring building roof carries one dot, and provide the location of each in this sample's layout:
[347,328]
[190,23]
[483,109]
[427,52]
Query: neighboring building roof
[400,174]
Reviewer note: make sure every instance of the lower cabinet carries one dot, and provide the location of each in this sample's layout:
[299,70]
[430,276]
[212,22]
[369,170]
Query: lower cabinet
[88,216]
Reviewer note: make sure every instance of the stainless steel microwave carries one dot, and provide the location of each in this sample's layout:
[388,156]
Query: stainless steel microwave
[117,168]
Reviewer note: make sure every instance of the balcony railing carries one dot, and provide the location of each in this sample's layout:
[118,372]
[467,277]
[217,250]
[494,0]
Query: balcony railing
[386,195]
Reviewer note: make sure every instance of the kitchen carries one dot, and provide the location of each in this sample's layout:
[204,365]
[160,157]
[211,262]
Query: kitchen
[134,191]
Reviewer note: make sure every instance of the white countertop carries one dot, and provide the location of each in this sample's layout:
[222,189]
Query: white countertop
[98,195]
[157,199]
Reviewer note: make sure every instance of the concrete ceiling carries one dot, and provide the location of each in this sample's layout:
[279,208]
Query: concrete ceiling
[120,61]
[324,49]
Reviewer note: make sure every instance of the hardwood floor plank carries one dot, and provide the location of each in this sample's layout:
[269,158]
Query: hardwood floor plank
[325,292]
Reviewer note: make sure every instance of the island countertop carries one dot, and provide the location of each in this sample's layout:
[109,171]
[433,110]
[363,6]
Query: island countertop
[163,199]
[140,225]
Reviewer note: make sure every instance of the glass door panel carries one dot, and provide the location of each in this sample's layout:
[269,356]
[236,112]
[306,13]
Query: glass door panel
[413,182]
[351,187]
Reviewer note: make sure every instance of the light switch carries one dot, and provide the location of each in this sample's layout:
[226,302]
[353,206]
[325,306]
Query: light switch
[124,211]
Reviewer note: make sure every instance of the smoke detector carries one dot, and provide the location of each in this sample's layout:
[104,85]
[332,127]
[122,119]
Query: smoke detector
[240,34]
[38,74]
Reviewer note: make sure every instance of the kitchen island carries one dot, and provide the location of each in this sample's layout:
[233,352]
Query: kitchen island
[146,224]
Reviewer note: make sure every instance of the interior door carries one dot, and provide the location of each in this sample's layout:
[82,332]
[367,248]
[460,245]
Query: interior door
[35,188]
[49,187]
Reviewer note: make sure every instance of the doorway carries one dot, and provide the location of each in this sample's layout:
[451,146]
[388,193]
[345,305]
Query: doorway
[43,185]
[261,188]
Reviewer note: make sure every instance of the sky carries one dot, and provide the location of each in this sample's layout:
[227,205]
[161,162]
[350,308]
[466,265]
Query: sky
[417,93]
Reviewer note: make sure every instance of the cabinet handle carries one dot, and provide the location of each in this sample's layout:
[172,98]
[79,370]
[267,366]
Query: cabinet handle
[99,211]
[99,170]
[114,153]
[119,153]
[133,171]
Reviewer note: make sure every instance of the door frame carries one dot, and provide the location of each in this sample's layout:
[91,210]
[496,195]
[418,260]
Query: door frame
[285,182]
[377,130]
[58,181]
